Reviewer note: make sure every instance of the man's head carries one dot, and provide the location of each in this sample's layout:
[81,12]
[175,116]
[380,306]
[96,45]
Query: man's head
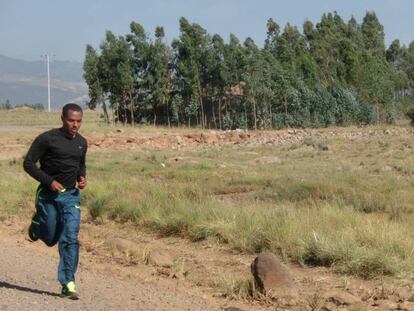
[72,118]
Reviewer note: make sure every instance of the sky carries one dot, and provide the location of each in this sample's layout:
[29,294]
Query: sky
[62,28]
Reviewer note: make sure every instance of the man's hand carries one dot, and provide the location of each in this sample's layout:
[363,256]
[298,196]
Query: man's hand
[82,182]
[56,186]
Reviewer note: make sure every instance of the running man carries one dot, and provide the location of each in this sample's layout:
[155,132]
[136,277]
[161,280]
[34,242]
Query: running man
[61,153]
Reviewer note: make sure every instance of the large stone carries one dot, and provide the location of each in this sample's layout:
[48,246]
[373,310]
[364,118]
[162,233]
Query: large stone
[406,306]
[209,138]
[268,160]
[383,305]
[123,245]
[233,136]
[160,258]
[342,298]
[403,294]
[272,276]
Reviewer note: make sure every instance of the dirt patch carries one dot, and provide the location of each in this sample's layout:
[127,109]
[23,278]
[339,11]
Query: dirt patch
[14,143]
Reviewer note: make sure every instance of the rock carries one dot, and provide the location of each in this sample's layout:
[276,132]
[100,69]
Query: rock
[329,306]
[324,147]
[120,130]
[209,138]
[385,305]
[272,276]
[232,309]
[122,245]
[160,258]
[192,136]
[406,306]
[163,272]
[386,168]
[233,136]
[179,140]
[268,160]
[342,298]
[403,294]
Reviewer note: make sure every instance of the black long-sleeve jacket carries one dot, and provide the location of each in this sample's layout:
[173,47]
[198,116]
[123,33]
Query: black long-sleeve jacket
[61,158]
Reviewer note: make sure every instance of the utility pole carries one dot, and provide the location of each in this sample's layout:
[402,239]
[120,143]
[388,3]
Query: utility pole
[48,83]
[48,80]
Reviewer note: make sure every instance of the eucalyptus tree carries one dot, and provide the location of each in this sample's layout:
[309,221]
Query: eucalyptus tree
[215,78]
[235,64]
[139,46]
[409,59]
[117,75]
[376,86]
[294,55]
[189,65]
[273,32]
[158,76]
[92,78]
[373,33]
[396,56]
[258,85]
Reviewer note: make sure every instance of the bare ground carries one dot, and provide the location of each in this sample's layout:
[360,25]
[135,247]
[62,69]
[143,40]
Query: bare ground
[28,282]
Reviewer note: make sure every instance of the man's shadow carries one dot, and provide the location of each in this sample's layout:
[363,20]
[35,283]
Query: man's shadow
[26,289]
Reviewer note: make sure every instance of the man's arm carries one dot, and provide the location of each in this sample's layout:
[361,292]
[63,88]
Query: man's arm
[36,151]
[81,176]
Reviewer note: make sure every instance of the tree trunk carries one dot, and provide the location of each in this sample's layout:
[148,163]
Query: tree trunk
[214,116]
[132,109]
[198,118]
[113,114]
[106,116]
[271,115]
[124,110]
[168,114]
[254,113]
[125,116]
[200,93]
[219,113]
[245,117]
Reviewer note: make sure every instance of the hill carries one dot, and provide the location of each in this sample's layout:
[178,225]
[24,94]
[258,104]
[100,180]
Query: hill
[26,82]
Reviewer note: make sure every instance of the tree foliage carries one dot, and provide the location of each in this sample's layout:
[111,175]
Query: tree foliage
[335,72]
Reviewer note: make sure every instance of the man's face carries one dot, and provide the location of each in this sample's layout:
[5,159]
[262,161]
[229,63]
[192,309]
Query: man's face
[72,122]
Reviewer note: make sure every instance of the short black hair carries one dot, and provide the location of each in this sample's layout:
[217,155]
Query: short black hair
[70,106]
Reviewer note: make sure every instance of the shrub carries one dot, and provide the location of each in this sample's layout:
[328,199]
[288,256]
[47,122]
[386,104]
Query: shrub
[410,115]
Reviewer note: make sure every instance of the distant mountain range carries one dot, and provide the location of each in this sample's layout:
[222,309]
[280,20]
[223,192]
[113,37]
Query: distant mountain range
[26,82]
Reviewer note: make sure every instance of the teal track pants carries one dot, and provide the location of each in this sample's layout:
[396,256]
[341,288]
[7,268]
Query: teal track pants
[57,220]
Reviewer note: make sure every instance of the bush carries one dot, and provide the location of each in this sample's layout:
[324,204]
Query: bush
[410,115]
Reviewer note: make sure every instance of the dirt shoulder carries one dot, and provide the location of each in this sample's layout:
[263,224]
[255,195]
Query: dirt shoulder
[28,282]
